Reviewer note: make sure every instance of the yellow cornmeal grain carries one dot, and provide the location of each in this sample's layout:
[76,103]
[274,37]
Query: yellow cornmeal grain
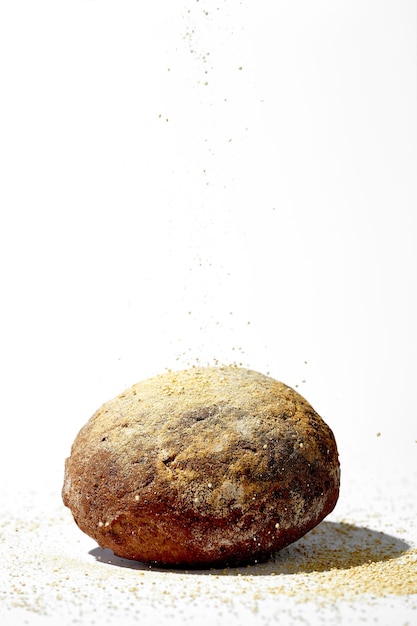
[335,562]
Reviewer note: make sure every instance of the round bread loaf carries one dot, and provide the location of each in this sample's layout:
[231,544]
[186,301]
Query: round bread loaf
[204,467]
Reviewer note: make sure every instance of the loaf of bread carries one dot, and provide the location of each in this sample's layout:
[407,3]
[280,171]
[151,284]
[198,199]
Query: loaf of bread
[205,467]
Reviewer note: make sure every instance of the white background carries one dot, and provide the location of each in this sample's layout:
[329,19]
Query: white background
[194,181]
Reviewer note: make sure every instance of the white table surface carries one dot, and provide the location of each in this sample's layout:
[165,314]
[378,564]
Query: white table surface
[191,182]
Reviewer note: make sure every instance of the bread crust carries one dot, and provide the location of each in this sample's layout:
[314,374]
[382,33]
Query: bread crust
[203,467]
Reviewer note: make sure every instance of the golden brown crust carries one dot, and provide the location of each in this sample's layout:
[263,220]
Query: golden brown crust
[202,467]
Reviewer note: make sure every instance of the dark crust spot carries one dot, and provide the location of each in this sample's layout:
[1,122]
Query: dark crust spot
[169,459]
[203,412]
[247,445]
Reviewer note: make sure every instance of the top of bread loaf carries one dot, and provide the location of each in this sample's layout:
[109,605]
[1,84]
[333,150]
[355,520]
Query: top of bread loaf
[216,437]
